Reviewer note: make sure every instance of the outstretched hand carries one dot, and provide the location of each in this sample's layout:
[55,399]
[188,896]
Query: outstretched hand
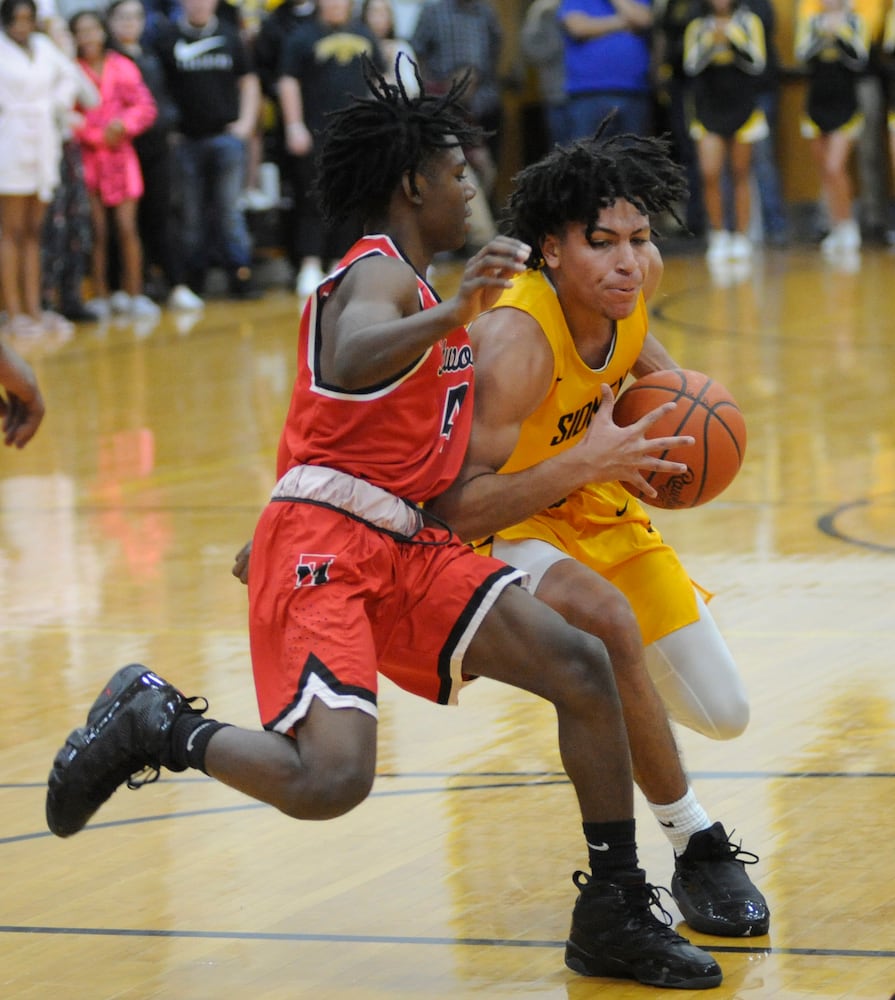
[628,454]
[22,409]
[487,274]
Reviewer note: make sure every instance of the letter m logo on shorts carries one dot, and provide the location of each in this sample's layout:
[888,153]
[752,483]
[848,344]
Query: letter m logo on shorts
[313,569]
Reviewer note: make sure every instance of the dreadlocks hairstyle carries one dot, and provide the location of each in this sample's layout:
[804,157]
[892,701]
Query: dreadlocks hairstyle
[368,146]
[575,183]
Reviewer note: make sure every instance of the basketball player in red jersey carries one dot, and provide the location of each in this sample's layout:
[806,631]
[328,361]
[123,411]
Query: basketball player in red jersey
[541,484]
[349,578]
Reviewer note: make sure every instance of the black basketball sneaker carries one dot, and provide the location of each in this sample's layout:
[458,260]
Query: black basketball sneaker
[712,889]
[126,739]
[615,933]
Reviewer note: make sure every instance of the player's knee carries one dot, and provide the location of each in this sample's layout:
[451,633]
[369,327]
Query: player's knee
[604,612]
[333,792]
[621,631]
[347,785]
[585,672]
[731,719]
[726,718]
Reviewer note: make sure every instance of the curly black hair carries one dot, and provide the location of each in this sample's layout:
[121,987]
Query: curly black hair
[574,183]
[368,146]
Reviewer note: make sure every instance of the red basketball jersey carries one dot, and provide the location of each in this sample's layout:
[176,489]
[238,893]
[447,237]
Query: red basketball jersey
[407,435]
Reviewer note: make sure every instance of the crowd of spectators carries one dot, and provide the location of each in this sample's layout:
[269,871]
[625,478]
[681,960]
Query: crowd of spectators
[140,140]
[709,74]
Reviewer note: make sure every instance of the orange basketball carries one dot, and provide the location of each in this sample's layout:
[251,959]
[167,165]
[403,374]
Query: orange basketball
[707,412]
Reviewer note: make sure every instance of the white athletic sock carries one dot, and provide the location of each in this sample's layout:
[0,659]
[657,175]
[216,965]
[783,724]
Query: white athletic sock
[680,820]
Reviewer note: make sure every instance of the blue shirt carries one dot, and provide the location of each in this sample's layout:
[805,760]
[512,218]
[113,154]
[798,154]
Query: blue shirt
[618,62]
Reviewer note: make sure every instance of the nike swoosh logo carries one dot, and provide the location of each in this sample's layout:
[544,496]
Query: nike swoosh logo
[668,826]
[623,511]
[598,847]
[193,735]
[185,51]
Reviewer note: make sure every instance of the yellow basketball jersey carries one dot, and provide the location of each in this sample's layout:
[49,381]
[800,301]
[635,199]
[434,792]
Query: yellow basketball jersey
[574,396]
[575,393]
[600,524]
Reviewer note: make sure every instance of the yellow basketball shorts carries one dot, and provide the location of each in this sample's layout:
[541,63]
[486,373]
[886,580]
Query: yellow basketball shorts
[606,529]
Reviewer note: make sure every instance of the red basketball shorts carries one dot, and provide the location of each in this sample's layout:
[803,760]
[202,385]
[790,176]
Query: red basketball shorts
[334,600]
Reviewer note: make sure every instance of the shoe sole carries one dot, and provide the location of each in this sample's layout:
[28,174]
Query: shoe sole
[586,964]
[78,742]
[697,922]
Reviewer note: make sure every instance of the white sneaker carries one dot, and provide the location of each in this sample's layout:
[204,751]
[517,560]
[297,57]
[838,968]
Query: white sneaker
[142,307]
[183,298]
[850,235]
[56,323]
[718,245]
[831,242]
[309,277]
[99,307]
[844,237]
[739,247]
[120,302]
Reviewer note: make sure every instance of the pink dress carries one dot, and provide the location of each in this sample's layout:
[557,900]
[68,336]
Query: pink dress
[114,173]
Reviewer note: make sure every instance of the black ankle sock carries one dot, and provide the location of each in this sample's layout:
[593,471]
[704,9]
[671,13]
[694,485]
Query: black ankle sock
[611,847]
[190,738]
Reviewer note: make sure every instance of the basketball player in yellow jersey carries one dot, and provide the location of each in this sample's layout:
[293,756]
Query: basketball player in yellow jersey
[541,483]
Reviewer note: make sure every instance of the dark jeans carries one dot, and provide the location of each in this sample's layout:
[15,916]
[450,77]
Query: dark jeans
[211,172]
[158,214]
[634,113]
[767,177]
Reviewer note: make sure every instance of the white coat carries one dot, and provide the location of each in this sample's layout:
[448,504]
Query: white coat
[37,90]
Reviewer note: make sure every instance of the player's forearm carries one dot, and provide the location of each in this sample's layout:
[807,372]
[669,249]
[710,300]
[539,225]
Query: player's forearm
[489,502]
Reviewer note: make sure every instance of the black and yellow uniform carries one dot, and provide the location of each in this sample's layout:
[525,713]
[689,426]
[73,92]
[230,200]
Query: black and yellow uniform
[726,76]
[835,56]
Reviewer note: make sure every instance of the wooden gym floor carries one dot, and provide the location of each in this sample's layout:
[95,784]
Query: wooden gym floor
[117,529]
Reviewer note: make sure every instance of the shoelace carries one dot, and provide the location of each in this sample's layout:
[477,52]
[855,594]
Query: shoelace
[654,901]
[651,896]
[735,852]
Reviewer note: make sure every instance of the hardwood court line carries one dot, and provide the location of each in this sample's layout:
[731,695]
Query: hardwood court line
[403,793]
[400,939]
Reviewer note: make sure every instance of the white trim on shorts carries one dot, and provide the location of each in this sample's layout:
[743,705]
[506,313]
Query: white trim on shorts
[317,688]
[512,575]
